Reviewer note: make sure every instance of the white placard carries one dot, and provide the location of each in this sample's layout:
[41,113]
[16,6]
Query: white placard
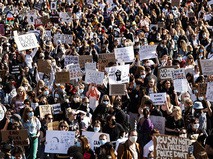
[178,73]
[147,52]
[181,85]
[70,59]
[65,38]
[59,141]
[158,98]
[118,74]
[159,123]
[209,91]
[93,138]
[31,17]
[26,41]
[56,108]
[65,17]
[94,77]
[75,71]
[165,73]
[125,54]
[206,66]
[90,66]
[2,113]
[53,5]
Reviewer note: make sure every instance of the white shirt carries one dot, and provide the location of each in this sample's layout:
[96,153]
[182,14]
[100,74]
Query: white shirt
[148,148]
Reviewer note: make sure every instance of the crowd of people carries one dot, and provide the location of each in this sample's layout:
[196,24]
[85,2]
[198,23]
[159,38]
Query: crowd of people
[183,34]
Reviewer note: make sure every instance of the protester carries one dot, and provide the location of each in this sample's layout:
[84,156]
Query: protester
[68,58]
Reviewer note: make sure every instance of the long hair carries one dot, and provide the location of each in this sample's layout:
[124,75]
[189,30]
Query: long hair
[85,143]
[21,89]
[26,110]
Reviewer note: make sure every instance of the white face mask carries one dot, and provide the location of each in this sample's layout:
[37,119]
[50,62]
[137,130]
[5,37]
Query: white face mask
[56,95]
[143,76]
[97,129]
[196,126]
[133,139]
[200,98]
[106,102]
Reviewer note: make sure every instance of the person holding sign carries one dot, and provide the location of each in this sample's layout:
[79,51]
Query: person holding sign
[33,125]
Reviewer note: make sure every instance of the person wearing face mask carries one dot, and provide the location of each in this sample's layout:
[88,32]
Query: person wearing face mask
[130,149]
[33,126]
[192,128]
[85,106]
[96,127]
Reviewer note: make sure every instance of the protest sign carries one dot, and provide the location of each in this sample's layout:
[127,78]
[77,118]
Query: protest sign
[26,41]
[38,6]
[206,66]
[90,66]
[53,125]
[65,38]
[45,109]
[59,141]
[209,91]
[159,123]
[53,5]
[178,74]
[18,137]
[125,54]
[31,17]
[56,108]
[94,77]
[174,147]
[74,70]
[70,59]
[93,138]
[118,74]
[117,89]
[147,52]
[2,113]
[165,72]
[202,89]
[104,60]
[175,3]
[62,77]
[84,59]
[181,85]
[65,17]
[15,69]
[158,98]
[44,66]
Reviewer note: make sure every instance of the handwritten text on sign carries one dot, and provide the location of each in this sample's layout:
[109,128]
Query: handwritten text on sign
[26,41]
[125,54]
[158,98]
[165,73]
[147,52]
[171,147]
[94,77]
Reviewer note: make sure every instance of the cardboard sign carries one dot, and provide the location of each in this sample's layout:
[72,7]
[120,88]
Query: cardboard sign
[117,89]
[94,77]
[44,66]
[147,52]
[159,123]
[165,72]
[202,87]
[104,60]
[45,109]
[90,66]
[178,74]
[84,59]
[59,141]
[125,54]
[206,67]
[174,147]
[75,71]
[56,108]
[53,125]
[118,74]
[26,41]
[69,59]
[181,85]
[18,137]
[93,138]
[175,3]
[158,98]
[209,91]
[62,77]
